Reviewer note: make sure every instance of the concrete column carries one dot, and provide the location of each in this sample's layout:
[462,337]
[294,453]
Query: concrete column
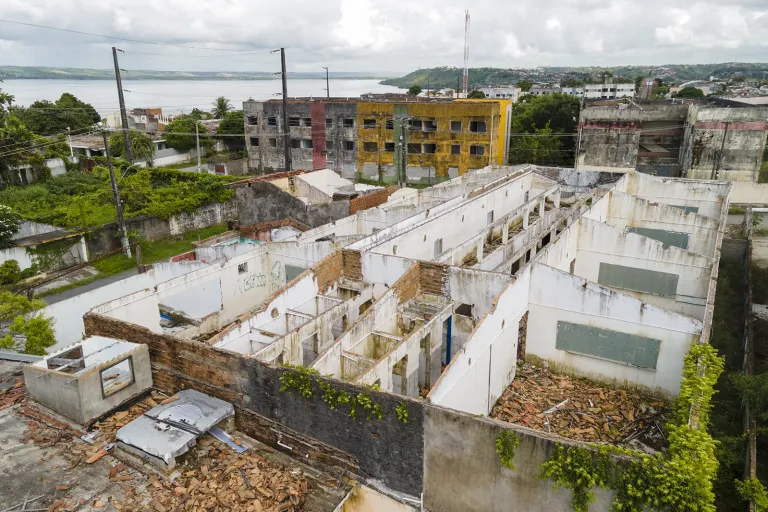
[505,234]
[557,198]
[480,250]
[541,208]
[525,219]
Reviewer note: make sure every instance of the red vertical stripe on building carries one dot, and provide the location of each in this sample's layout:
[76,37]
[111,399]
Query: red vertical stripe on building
[317,113]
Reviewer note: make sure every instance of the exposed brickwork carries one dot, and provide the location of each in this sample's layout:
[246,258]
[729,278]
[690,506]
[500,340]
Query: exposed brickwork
[187,256]
[352,266]
[407,287]
[257,231]
[370,200]
[328,270]
[387,450]
[433,278]
[266,177]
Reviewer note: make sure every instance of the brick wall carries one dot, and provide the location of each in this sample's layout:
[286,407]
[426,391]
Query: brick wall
[433,278]
[387,450]
[407,287]
[352,267]
[267,177]
[187,256]
[370,200]
[254,230]
[328,270]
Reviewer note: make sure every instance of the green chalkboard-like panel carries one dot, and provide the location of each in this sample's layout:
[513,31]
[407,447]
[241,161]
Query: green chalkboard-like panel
[668,238]
[638,279]
[687,209]
[607,344]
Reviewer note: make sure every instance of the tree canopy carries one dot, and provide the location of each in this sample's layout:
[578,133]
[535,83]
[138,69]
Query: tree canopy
[689,92]
[414,90]
[47,118]
[141,144]
[9,223]
[220,107]
[476,95]
[525,85]
[231,129]
[180,134]
[28,332]
[549,122]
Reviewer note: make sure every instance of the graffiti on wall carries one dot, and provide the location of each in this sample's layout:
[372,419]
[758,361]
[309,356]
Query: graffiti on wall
[278,276]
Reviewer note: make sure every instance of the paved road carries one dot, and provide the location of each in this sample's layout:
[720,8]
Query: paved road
[52,299]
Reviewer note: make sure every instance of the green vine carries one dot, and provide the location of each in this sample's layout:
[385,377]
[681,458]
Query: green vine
[506,444]
[753,490]
[402,412]
[680,479]
[298,378]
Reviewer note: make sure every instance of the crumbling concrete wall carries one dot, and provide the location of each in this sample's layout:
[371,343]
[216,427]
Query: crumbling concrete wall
[728,143]
[462,470]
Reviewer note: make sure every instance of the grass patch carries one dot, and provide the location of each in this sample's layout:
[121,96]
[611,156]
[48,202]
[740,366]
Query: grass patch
[762,176]
[151,252]
[737,210]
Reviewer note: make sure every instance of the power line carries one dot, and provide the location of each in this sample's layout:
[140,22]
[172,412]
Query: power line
[123,38]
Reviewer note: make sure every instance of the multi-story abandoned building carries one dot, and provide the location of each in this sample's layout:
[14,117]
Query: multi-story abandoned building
[688,141]
[404,343]
[420,141]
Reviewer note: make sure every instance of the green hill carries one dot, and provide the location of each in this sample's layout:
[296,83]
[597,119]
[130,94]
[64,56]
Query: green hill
[448,77]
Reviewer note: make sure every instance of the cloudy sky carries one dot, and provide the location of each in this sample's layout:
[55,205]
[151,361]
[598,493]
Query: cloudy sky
[384,36]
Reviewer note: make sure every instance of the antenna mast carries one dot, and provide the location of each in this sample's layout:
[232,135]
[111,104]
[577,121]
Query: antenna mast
[465,77]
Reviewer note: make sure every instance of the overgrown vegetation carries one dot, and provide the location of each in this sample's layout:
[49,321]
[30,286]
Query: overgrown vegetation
[542,130]
[9,224]
[680,479]
[506,444]
[84,200]
[26,330]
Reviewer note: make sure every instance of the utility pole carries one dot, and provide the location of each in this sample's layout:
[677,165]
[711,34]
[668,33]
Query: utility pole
[118,207]
[69,139]
[197,138]
[123,113]
[286,128]
[578,139]
[327,86]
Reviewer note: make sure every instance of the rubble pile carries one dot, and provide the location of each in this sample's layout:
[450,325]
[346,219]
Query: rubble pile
[225,480]
[582,409]
[11,391]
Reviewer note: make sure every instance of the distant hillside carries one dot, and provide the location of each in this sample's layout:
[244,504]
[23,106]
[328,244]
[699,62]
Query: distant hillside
[34,72]
[446,78]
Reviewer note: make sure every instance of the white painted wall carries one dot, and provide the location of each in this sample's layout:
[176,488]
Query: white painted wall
[707,196]
[600,243]
[625,211]
[745,192]
[557,296]
[480,372]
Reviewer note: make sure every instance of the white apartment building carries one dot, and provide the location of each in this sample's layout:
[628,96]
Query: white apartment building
[609,90]
[506,92]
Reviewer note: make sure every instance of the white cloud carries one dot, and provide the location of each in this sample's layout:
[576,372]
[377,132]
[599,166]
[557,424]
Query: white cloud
[386,35]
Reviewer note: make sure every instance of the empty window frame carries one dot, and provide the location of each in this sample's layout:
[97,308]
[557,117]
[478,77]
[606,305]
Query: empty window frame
[389,147]
[272,142]
[242,268]
[390,124]
[116,377]
[478,127]
[369,123]
[271,121]
[429,148]
[296,143]
[306,143]
[294,121]
[328,122]
[415,124]
[414,149]
[464,310]
[430,125]
[370,147]
[254,142]
[477,150]
[490,217]
[329,144]
[455,149]
[349,145]
[456,126]
[253,120]
[306,121]
[348,123]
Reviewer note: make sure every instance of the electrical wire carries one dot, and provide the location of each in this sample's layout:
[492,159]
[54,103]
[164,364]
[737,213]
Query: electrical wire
[127,39]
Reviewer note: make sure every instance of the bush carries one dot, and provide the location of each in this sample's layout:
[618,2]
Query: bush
[9,224]
[10,272]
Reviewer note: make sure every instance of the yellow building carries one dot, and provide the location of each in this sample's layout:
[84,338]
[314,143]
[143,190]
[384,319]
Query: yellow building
[440,139]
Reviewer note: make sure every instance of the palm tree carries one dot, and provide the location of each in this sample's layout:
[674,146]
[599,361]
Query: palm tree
[220,107]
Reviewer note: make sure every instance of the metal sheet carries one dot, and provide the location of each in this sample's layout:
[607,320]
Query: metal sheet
[638,279]
[607,344]
[668,238]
